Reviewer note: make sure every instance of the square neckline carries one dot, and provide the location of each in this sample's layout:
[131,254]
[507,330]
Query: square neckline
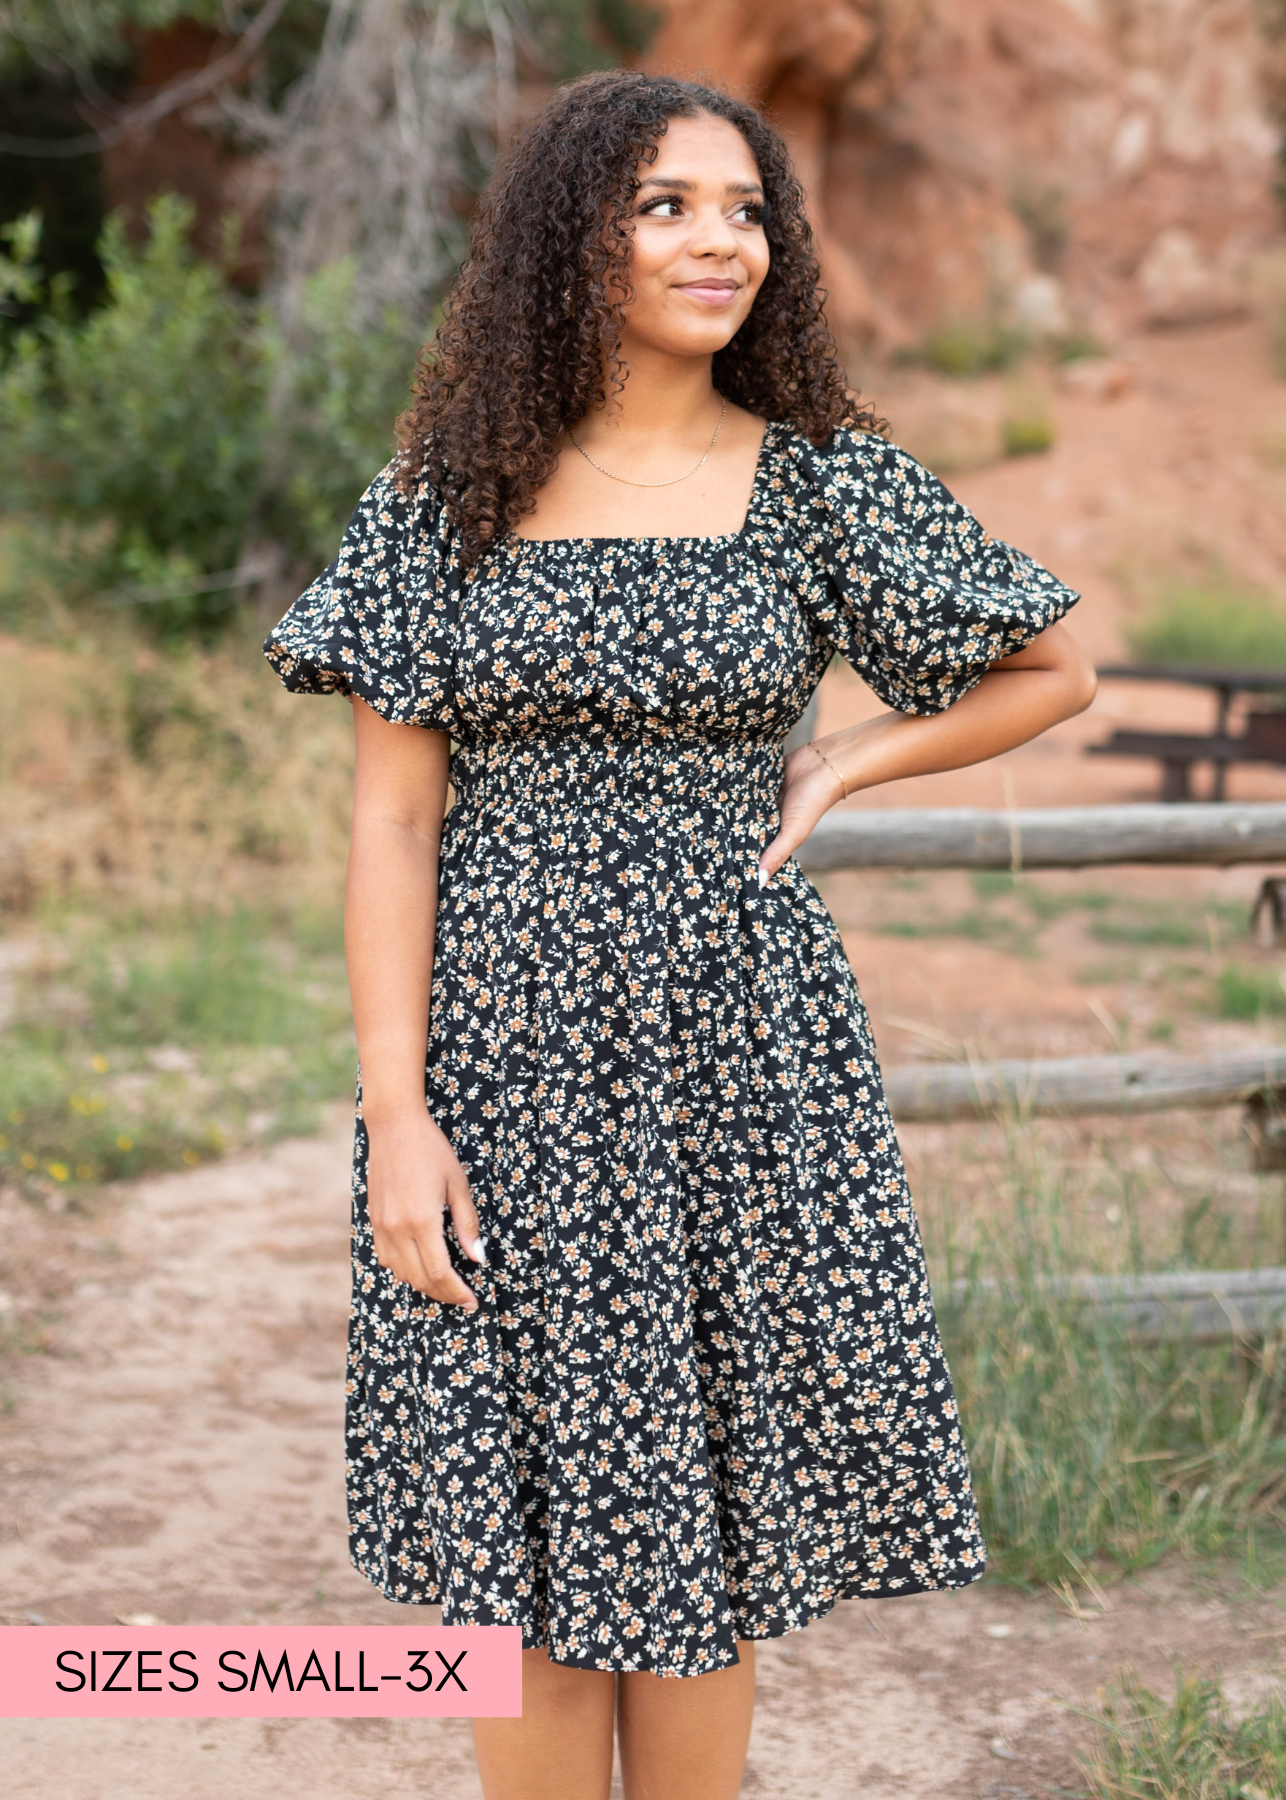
[722,537]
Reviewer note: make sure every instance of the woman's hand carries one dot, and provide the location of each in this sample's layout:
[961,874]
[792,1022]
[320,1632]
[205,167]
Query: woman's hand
[413,1180]
[808,789]
[1020,696]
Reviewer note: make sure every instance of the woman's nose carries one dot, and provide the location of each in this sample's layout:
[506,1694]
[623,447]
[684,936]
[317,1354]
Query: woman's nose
[712,235]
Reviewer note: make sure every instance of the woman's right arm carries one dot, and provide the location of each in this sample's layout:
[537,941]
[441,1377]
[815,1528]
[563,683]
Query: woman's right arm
[390,910]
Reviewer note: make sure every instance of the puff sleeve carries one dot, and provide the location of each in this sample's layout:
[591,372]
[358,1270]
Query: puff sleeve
[380,621]
[920,599]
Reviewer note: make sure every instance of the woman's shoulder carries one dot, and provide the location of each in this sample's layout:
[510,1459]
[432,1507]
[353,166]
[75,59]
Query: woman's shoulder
[849,453]
[396,502]
[850,470]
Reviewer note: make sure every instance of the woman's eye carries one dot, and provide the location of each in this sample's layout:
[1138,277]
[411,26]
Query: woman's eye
[670,206]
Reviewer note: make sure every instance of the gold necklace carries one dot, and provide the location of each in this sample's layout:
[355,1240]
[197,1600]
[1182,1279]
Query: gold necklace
[723,407]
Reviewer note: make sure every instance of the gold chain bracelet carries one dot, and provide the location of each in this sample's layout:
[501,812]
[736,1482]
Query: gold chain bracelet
[831,766]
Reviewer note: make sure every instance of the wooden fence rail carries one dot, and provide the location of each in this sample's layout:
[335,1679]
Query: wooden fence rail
[1080,1084]
[1062,837]
[1201,1307]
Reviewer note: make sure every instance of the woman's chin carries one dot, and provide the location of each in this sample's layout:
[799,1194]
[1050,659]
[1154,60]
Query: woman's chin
[708,339]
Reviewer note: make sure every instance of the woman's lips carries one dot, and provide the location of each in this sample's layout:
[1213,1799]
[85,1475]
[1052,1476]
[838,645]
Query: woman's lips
[710,293]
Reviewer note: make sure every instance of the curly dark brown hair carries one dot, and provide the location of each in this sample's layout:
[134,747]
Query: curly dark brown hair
[530,335]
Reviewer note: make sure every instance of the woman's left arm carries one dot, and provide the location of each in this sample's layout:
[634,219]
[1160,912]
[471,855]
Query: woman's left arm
[1049,680]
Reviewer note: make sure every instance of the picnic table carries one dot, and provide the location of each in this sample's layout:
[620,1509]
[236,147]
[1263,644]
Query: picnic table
[1262,738]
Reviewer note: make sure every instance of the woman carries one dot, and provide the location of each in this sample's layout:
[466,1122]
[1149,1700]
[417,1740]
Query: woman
[671,1381]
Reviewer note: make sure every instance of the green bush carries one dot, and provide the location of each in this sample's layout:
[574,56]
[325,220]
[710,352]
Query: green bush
[141,428]
[1076,346]
[972,346]
[1250,993]
[151,443]
[338,387]
[1028,434]
[1216,624]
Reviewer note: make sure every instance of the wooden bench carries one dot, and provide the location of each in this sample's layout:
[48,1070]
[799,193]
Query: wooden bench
[1262,738]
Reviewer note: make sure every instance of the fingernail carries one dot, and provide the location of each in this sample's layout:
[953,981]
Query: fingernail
[478,1251]
[762,875]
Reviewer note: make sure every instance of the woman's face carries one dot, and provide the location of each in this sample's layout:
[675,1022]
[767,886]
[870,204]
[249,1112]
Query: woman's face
[700,254]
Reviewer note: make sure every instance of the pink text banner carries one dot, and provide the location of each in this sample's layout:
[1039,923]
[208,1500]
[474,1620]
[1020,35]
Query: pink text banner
[260,1672]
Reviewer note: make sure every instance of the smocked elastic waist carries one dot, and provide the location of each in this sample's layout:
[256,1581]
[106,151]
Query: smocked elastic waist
[647,774]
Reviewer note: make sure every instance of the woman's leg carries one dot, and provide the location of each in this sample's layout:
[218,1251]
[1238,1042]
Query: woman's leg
[686,1740]
[561,1748]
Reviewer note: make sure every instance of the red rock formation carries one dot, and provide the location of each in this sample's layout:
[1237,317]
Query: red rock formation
[1057,164]
[180,154]
[1060,165]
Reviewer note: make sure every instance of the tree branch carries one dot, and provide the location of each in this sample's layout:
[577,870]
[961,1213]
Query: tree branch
[133,120]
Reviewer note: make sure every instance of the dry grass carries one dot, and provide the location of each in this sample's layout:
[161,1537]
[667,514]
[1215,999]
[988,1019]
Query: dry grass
[172,838]
[1195,1746]
[133,777]
[1091,1449]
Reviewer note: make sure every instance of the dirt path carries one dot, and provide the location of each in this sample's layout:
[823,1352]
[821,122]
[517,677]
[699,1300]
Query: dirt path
[172,1447]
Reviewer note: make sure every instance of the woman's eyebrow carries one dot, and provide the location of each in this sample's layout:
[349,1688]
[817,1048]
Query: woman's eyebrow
[690,187]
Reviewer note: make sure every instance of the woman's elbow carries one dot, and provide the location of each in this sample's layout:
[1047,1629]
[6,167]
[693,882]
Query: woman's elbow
[1080,681]
[1072,680]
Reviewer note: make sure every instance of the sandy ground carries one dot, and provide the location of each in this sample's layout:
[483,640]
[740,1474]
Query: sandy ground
[176,1451]
[170,1432]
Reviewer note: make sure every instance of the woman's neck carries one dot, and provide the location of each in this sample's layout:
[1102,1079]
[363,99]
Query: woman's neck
[671,398]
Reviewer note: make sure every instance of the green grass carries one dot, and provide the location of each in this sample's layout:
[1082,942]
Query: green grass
[1010,908]
[1087,1446]
[1043,903]
[137,1048]
[1155,926]
[1216,624]
[1191,1747]
[1250,993]
[984,927]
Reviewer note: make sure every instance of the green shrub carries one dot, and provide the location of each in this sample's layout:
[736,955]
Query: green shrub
[1027,435]
[339,385]
[1250,993]
[1076,346]
[140,429]
[1188,1748]
[972,346]
[1218,624]
[150,443]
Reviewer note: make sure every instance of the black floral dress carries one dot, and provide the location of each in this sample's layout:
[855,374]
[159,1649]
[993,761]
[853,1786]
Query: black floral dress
[703,1395]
